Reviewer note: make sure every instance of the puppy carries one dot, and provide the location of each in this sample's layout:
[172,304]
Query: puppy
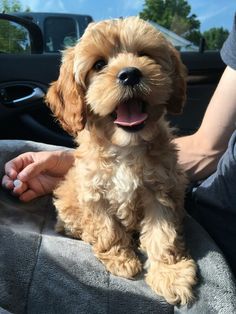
[114,89]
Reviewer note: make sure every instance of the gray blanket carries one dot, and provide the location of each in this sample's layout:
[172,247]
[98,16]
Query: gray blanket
[44,272]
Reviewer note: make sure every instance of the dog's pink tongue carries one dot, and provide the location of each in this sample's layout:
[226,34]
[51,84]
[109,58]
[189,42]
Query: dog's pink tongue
[130,114]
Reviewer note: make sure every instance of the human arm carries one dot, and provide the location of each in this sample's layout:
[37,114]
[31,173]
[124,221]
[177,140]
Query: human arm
[39,172]
[199,153]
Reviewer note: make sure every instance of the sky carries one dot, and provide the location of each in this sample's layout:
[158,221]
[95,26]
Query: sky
[211,13]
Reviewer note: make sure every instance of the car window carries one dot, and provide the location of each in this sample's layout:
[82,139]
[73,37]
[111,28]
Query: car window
[14,38]
[59,33]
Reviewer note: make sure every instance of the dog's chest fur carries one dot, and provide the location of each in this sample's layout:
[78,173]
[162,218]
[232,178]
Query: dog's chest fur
[127,179]
[116,182]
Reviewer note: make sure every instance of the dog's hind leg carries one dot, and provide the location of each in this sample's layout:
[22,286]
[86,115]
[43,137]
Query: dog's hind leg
[68,211]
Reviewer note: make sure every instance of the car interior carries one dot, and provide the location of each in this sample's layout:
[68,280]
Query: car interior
[25,78]
[44,271]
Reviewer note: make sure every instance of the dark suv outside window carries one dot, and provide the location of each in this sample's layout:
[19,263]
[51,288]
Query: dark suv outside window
[59,33]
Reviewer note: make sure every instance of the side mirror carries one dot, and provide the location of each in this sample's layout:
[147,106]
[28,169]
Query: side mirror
[18,35]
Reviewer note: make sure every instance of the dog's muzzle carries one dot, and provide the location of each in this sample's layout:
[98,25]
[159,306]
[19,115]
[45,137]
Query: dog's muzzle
[130,115]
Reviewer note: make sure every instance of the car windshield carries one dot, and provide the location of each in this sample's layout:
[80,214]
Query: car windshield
[185,23]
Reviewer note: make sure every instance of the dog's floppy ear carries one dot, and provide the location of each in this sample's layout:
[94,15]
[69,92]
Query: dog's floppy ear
[177,99]
[66,98]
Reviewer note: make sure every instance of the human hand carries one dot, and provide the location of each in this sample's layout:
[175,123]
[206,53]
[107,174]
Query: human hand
[37,173]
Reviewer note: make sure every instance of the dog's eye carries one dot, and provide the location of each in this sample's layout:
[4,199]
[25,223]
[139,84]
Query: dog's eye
[99,65]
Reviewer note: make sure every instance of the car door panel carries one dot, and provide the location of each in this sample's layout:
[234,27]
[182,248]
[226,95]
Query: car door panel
[29,118]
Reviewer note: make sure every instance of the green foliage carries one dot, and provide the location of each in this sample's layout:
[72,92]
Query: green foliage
[176,16]
[13,38]
[215,37]
[194,36]
[12,6]
[172,14]
[8,6]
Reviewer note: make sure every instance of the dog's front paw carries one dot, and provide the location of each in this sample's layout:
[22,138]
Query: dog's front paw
[173,281]
[125,264]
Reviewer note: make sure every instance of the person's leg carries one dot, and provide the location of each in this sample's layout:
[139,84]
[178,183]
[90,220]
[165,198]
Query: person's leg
[213,204]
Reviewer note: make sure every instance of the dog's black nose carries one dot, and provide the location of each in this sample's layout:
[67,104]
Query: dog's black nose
[129,76]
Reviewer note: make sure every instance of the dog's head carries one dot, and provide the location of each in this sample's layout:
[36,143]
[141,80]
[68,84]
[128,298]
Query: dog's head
[119,80]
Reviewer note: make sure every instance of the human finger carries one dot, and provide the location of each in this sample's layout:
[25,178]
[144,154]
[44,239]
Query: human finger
[31,171]
[14,166]
[7,182]
[29,195]
[19,187]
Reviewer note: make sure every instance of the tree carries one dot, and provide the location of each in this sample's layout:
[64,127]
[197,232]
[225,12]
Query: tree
[215,37]
[10,6]
[194,36]
[13,37]
[175,15]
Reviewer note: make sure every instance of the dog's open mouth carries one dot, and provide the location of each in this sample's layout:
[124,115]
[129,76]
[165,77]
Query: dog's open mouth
[130,115]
